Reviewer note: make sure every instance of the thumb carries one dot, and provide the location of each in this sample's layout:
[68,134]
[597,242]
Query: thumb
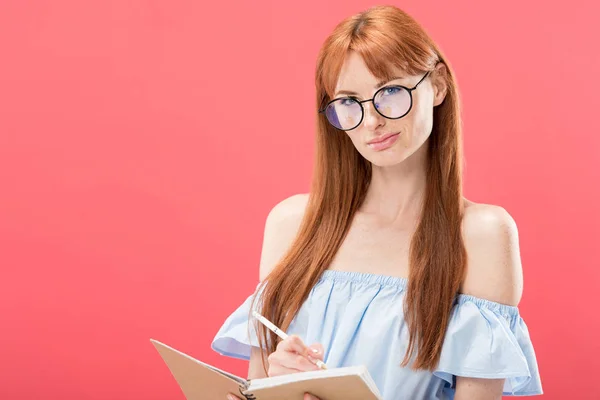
[308,396]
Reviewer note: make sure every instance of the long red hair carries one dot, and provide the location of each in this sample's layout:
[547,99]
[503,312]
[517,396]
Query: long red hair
[384,36]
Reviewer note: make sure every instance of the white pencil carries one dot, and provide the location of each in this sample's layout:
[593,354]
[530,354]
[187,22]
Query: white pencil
[283,335]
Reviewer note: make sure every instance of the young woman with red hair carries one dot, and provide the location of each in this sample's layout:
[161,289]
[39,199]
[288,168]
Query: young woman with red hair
[385,263]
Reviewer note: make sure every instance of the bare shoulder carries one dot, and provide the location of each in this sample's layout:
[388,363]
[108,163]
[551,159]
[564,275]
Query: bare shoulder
[291,208]
[281,227]
[491,239]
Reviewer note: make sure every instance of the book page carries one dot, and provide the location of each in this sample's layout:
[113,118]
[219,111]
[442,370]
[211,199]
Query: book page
[239,380]
[308,375]
[347,383]
[236,378]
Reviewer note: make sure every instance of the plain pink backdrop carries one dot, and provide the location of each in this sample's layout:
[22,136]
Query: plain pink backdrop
[142,144]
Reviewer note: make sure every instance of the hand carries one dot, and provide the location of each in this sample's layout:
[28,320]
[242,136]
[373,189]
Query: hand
[292,355]
[307,396]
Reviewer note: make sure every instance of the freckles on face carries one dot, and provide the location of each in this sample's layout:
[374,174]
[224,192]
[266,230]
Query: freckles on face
[350,120]
[422,122]
[410,139]
[386,110]
[403,125]
[356,80]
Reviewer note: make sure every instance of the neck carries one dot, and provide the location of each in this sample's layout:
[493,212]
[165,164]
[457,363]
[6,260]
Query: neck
[396,192]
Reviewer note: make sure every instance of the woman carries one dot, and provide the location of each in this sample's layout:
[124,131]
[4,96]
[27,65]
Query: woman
[385,263]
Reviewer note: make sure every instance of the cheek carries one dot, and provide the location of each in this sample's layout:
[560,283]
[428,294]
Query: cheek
[419,126]
[353,136]
[423,116]
[424,126]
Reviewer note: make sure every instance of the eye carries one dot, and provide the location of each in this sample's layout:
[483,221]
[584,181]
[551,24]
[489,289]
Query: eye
[388,91]
[348,101]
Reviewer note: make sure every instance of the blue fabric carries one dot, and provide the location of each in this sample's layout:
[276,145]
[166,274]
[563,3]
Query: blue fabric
[358,317]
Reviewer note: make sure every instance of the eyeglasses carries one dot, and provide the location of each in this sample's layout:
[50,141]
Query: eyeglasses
[392,102]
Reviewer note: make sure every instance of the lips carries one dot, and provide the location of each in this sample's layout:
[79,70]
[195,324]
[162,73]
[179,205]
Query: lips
[382,138]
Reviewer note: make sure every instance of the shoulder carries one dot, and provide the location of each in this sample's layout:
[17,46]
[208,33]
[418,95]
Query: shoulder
[491,239]
[289,210]
[281,227]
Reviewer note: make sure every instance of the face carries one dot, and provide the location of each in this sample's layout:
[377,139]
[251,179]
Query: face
[409,132]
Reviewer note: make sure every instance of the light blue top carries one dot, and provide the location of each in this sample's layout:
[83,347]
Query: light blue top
[358,318]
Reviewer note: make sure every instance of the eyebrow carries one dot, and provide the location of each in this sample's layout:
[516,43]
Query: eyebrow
[379,85]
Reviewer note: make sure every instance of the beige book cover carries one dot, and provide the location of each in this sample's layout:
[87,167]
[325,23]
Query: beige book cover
[201,381]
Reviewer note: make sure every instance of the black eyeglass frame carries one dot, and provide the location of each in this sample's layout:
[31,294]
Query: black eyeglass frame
[410,90]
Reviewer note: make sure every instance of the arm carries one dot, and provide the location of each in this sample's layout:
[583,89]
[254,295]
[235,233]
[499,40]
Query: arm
[494,272]
[281,228]
[255,366]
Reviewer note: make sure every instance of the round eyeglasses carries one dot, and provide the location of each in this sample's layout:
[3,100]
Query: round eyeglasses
[392,102]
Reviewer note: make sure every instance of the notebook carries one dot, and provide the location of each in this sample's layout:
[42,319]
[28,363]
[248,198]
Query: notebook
[200,381]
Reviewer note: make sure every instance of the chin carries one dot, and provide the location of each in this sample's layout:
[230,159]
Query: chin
[384,159]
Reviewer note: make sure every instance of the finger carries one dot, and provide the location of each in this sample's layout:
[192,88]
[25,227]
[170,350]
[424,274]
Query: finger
[276,366]
[232,397]
[308,396]
[293,344]
[316,351]
[297,361]
[278,370]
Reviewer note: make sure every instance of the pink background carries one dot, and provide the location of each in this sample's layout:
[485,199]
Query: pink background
[142,144]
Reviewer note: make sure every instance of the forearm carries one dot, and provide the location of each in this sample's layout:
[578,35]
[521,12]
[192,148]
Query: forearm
[255,366]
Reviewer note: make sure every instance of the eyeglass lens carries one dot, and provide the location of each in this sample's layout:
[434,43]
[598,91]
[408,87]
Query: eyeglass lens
[391,102]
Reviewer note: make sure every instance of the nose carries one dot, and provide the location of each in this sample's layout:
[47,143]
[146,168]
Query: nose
[372,118]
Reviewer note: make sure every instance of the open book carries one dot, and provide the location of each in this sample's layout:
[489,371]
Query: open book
[200,381]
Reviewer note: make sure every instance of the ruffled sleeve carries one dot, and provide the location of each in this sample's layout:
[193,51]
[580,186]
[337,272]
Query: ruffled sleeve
[236,337]
[489,340]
